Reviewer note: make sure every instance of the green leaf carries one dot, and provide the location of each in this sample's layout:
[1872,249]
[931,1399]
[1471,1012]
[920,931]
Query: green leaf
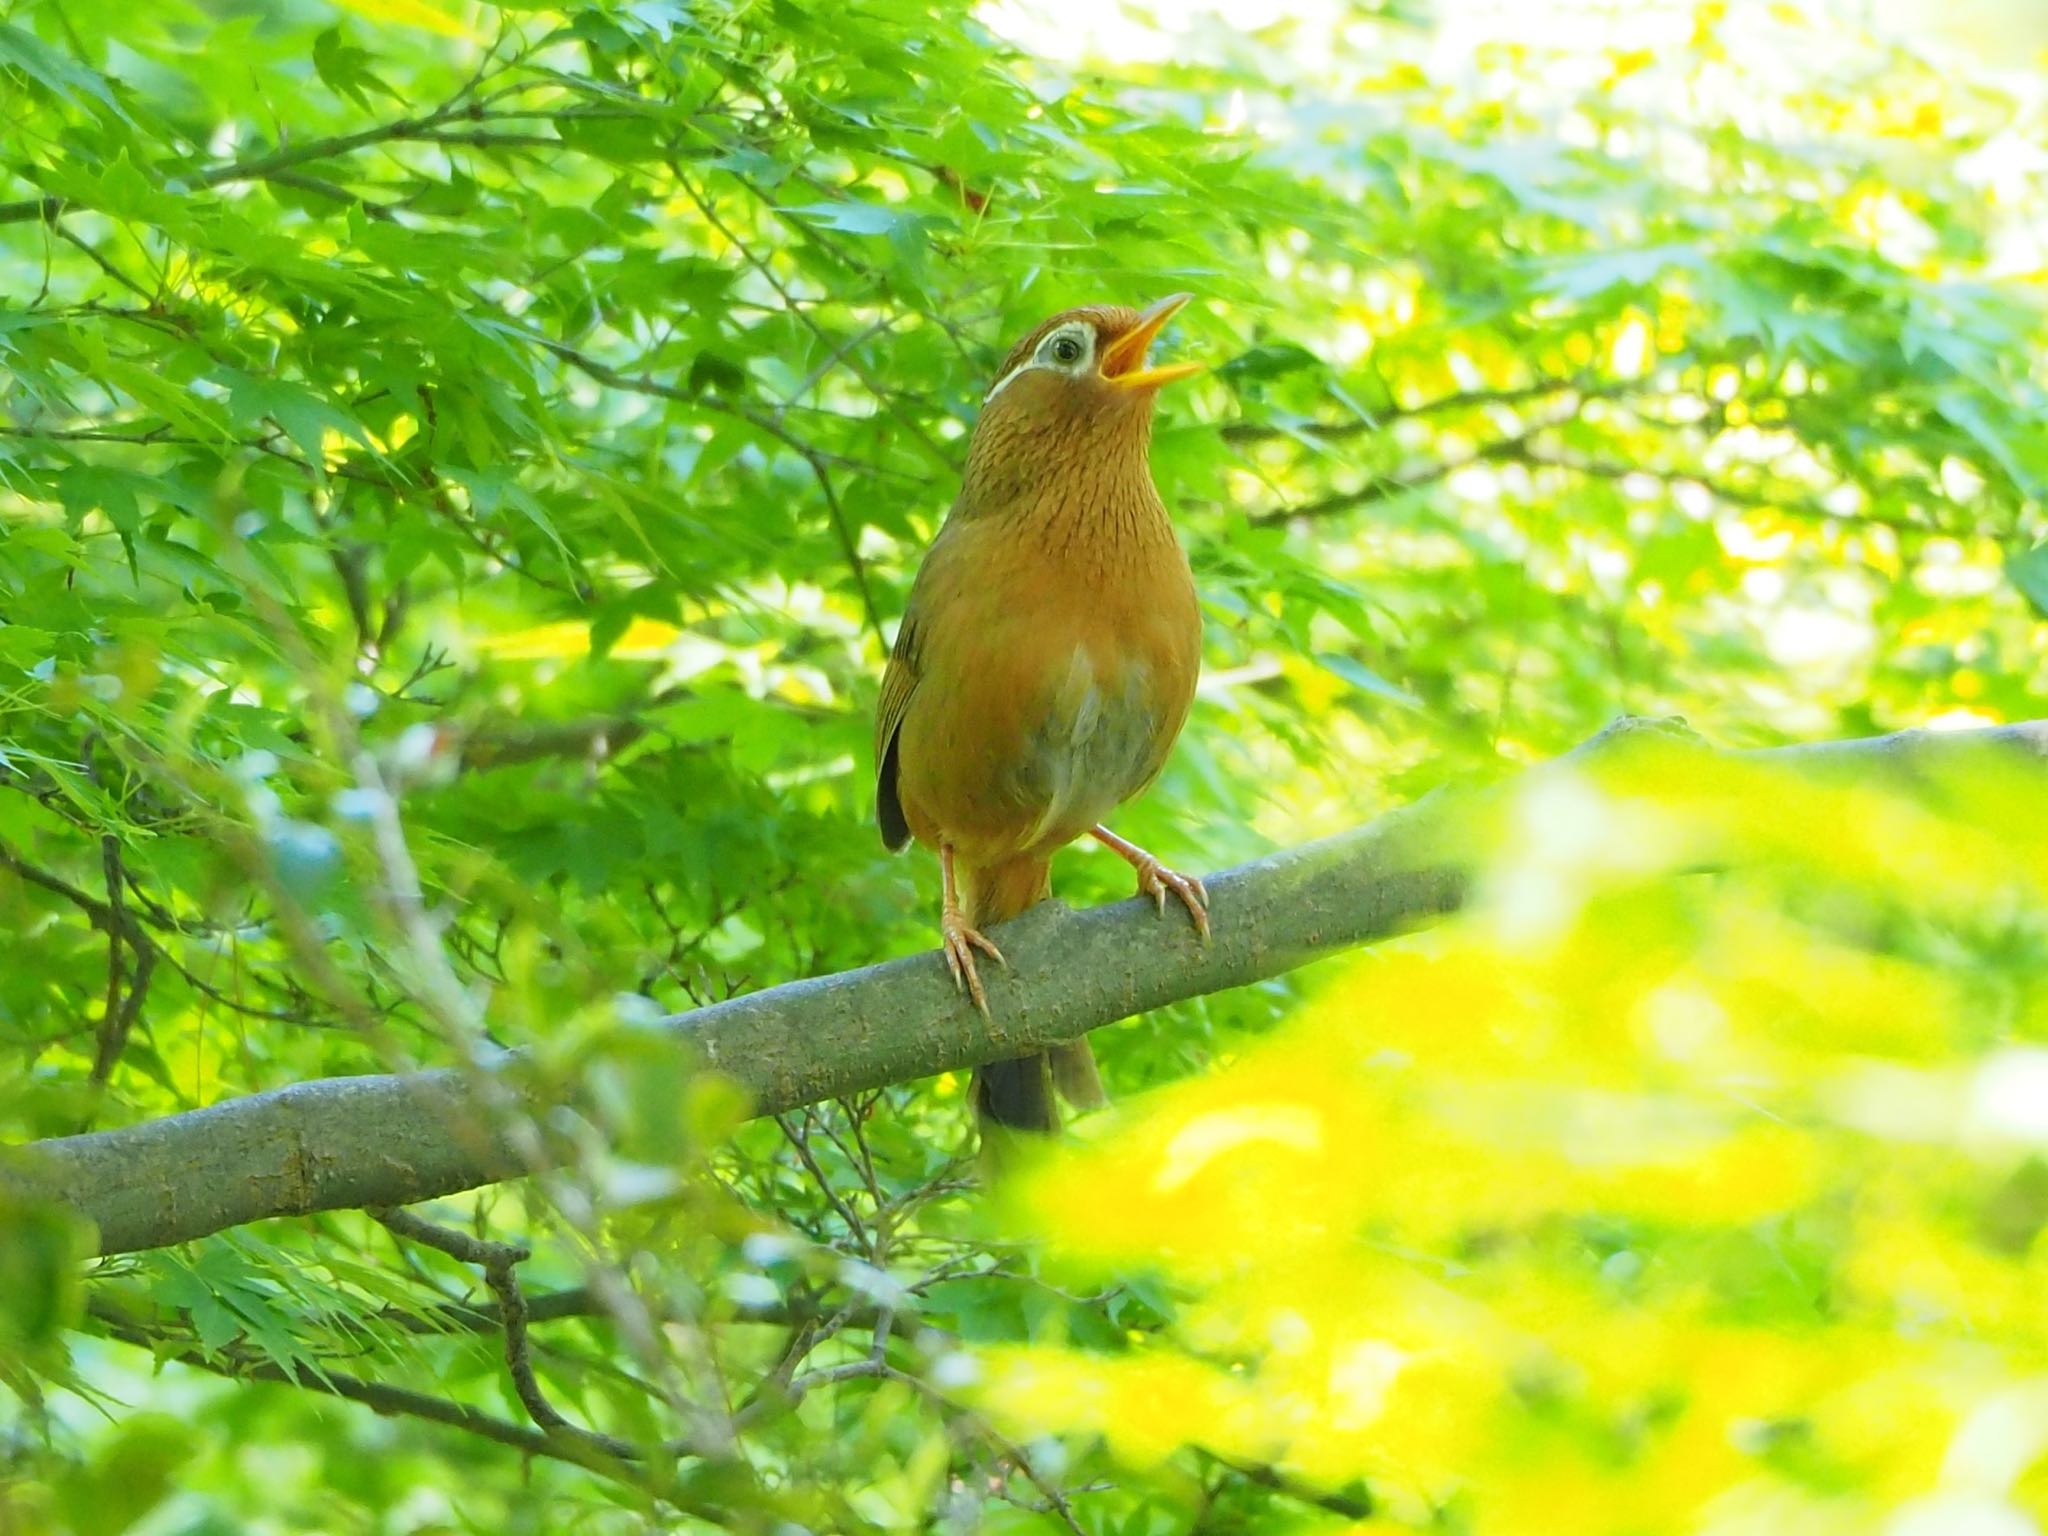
[2028,571]
[118,493]
[856,218]
[130,1475]
[1587,277]
[126,192]
[346,69]
[41,1247]
[304,417]
[63,77]
[710,371]
[178,1285]
[1365,679]
[1998,439]
[1269,362]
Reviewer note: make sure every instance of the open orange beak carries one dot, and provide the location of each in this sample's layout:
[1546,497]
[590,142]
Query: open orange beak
[1123,360]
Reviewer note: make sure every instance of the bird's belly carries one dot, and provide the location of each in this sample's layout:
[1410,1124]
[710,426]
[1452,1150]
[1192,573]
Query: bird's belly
[1094,746]
[1019,759]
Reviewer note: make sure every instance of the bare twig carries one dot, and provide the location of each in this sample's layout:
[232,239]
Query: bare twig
[856,1229]
[1355,1505]
[815,459]
[499,1263]
[831,360]
[1461,400]
[1403,482]
[114,1019]
[1055,1497]
[1796,502]
[114,1032]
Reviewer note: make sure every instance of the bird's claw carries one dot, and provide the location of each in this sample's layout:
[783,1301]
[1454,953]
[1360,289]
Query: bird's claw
[959,942]
[1155,880]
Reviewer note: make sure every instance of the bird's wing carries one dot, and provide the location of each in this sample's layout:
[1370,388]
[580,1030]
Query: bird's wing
[906,667]
[899,682]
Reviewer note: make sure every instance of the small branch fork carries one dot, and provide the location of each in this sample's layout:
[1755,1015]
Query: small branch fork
[499,1263]
[118,1016]
[783,1387]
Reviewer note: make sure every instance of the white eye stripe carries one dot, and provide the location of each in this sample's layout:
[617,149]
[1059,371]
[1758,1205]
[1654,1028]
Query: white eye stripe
[1042,356]
[1004,382]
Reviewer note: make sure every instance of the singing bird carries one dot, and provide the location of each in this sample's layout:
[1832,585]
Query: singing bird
[1046,661]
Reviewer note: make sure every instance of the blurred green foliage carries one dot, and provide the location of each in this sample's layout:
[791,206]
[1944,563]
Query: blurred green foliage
[525,422]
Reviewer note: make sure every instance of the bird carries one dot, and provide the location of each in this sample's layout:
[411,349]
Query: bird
[1045,664]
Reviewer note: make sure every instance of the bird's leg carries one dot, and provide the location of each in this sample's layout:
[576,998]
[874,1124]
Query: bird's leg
[961,941]
[1155,879]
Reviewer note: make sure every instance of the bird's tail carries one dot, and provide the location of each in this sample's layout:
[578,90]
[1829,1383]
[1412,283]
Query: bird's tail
[1017,1095]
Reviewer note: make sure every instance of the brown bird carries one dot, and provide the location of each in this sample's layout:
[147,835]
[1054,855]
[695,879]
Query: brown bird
[1046,661]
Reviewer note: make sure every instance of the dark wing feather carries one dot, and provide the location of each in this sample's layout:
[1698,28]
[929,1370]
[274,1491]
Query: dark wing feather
[899,681]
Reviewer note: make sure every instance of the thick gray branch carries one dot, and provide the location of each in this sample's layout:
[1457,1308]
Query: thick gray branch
[397,1139]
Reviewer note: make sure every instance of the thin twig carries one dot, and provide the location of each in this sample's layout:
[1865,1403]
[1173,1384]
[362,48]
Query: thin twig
[1719,490]
[815,459]
[1459,400]
[855,1228]
[114,1033]
[1357,1505]
[265,167]
[811,380]
[1014,1454]
[1402,482]
[499,1262]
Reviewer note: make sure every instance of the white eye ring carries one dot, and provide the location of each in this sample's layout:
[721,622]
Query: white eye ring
[1063,349]
[1070,349]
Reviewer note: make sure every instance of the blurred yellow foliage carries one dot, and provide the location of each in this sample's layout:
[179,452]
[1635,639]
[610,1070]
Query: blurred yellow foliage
[1640,1199]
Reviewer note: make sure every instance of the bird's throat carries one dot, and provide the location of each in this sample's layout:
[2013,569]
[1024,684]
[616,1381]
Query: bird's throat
[1107,522]
[1082,503]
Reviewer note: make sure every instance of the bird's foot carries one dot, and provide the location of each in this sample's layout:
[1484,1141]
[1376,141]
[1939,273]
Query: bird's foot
[1155,879]
[958,943]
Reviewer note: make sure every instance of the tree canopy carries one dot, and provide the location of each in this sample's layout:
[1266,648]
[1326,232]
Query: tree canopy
[460,466]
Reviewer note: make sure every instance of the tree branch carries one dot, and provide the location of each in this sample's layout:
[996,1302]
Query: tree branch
[266,167]
[1354,1503]
[397,1139]
[1407,479]
[1462,400]
[1792,504]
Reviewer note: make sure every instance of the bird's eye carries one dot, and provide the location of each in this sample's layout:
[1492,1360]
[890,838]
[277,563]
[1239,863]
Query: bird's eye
[1065,350]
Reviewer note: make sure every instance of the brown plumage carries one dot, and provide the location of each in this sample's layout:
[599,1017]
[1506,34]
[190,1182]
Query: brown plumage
[1047,658]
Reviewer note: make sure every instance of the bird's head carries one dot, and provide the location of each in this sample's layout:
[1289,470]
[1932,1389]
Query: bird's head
[1089,359]
[1080,386]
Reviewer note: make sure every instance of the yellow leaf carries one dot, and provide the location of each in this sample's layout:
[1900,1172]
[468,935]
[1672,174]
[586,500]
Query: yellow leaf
[411,13]
[550,642]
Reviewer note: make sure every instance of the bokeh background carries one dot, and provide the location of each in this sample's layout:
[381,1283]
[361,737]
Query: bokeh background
[517,426]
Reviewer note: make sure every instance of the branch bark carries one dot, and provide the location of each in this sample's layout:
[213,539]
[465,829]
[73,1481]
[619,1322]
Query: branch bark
[395,1139]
